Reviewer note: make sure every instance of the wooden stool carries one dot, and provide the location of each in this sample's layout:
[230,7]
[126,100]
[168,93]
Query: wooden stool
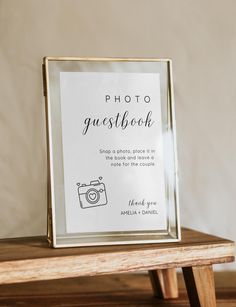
[30,259]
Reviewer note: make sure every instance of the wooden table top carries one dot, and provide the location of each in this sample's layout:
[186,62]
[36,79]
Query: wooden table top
[28,259]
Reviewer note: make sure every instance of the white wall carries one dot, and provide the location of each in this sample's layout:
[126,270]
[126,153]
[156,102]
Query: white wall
[200,37]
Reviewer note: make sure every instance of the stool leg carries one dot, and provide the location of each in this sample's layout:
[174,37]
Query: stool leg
[200,286]
[164,283]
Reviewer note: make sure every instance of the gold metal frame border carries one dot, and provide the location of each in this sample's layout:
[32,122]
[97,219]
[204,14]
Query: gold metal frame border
[45,69]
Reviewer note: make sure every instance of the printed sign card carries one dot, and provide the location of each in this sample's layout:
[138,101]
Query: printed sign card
[114,179]
[113,152]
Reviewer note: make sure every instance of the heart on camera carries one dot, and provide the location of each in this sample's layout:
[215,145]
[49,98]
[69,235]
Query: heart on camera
[92,196]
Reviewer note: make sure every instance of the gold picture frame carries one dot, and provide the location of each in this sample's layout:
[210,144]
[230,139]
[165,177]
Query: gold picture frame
[77,216]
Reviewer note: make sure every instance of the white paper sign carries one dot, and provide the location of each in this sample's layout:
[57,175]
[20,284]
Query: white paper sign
[112,151]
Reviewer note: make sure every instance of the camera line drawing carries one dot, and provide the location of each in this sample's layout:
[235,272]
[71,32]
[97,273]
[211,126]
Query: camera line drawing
[92,194]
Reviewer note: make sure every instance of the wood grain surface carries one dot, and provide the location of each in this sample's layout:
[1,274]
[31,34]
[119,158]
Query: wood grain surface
[112,290]
[31,259]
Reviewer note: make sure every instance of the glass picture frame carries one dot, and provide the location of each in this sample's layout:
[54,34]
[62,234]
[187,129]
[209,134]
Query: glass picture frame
[111,147]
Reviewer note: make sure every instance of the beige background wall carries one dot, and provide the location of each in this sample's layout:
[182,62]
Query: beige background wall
[200,37]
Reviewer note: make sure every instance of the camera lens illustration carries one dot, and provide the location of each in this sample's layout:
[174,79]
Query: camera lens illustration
[92,194]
